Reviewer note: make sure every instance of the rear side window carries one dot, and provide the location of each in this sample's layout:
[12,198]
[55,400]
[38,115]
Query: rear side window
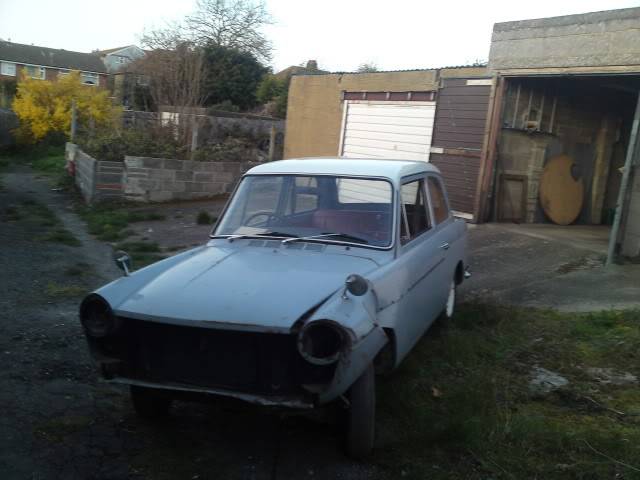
[438,200]
[415,218]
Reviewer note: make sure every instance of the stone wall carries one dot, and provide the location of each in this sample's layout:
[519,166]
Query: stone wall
[598,39]
[163,179]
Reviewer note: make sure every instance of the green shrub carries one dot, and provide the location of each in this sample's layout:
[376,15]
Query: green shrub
[113,145]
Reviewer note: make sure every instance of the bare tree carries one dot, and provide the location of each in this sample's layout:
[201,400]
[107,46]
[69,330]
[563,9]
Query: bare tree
[175,78]
[168,37]
[231,23]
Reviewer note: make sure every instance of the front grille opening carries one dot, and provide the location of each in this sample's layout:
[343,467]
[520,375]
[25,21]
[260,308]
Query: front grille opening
[249,362]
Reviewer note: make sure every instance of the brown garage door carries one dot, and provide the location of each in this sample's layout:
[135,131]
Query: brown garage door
[458,135]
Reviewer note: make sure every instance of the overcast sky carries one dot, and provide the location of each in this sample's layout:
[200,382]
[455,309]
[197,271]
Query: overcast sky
[339,34]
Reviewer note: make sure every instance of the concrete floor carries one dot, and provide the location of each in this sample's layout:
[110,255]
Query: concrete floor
[584,237]
[547,266]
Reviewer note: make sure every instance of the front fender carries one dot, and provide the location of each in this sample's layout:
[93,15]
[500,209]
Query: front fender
[353,364]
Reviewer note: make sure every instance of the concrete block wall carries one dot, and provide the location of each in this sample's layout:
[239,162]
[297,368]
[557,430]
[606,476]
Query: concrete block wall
[164,179]
[586,40]
[631,238]
[96,180]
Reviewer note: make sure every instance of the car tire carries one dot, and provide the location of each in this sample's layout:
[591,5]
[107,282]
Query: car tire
[449,309]
[361,415]
[150,403]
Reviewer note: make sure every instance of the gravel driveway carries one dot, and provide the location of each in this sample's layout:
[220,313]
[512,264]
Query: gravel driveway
[59,421]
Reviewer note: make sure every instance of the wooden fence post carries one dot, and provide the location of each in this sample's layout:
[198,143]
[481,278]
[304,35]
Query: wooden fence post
[272,143]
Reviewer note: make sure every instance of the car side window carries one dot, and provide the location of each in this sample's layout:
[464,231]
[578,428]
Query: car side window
[414,214]
[438,200]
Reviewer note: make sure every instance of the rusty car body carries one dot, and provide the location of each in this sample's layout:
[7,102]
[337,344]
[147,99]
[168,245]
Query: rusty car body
[319,273]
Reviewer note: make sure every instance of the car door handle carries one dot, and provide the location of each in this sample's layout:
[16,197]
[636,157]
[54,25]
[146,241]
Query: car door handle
[445,246]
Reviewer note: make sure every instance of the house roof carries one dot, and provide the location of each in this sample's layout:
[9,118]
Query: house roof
[113,50]
[50,57]
[365,167]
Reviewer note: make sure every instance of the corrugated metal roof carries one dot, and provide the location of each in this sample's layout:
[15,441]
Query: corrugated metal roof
[483,65]
[50,57]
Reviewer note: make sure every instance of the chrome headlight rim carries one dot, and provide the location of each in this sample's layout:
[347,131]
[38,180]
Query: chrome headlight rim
[97,318]
[333,336]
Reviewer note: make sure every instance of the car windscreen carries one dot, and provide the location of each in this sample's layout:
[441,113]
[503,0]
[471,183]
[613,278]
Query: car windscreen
[335,208]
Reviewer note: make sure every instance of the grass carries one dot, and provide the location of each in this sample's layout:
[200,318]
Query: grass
[109,221]
[460,405]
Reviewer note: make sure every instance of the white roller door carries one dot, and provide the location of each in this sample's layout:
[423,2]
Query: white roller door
[399,130]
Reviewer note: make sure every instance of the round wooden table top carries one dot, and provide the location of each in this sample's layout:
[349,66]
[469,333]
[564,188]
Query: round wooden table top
[561,195]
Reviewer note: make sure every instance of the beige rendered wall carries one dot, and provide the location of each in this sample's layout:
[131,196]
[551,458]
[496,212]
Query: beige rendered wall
[314,112]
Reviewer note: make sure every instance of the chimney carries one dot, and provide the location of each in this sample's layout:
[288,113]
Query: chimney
[312,65]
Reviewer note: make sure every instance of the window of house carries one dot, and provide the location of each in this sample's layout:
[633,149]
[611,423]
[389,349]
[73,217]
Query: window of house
[8,68]
[415,217]
[122,60]
[438,200]
[63,71]
[35,72]
[89,78]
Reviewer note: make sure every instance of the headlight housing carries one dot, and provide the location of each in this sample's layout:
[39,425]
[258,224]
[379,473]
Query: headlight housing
[322,341]
[96,317]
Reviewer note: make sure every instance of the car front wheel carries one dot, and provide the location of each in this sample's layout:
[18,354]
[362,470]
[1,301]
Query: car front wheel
[361,415]
[450,307]
[149,402]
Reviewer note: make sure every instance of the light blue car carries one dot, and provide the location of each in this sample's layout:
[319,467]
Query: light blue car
[319,274]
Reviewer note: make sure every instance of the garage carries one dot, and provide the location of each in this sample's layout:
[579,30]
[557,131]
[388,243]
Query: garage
[387,129]
[562,133]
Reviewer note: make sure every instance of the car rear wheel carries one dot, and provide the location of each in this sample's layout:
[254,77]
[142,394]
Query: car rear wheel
[149,402]
[360,428]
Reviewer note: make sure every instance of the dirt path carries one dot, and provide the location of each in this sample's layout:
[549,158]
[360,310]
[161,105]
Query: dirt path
[59,421]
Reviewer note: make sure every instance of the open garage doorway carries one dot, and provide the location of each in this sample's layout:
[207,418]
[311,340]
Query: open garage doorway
[560,152]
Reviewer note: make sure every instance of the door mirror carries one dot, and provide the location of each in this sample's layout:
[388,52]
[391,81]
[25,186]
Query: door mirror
[123,261]
[356,285]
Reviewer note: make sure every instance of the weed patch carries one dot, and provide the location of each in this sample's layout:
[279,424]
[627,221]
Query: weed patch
[109,221]
[204,218]
[64,291]
[460,405]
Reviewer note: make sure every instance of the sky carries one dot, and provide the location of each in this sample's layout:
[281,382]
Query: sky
[339,34]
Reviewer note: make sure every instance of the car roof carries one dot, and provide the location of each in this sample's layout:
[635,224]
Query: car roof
[365,167]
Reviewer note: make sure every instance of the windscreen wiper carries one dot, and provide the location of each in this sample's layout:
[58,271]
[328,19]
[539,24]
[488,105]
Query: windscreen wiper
[238,236]
[346,236]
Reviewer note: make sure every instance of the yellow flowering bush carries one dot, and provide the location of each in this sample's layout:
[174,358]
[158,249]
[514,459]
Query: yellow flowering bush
[44,107]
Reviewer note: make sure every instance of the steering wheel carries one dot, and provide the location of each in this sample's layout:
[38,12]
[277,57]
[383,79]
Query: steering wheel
[269,216]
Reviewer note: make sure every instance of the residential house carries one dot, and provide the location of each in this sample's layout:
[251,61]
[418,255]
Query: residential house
[117,59]
[49,63]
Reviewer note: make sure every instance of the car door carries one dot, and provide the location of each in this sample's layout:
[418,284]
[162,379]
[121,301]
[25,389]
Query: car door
[445,236]
[419,262]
